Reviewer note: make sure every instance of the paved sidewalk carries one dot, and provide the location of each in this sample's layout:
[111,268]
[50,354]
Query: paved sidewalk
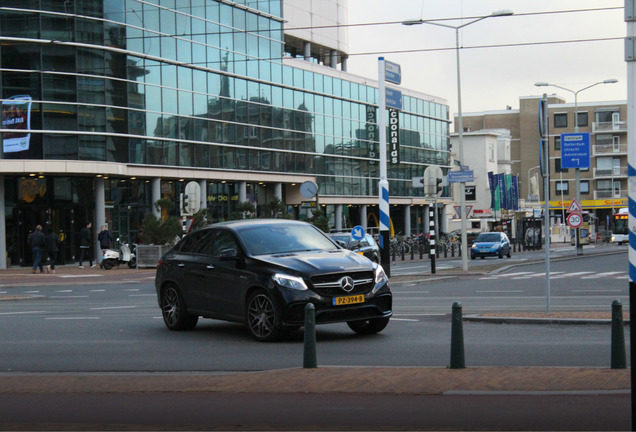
[333,379]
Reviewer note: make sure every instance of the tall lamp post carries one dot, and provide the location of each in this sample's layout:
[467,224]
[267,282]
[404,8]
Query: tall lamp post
[577,171]
[460,126]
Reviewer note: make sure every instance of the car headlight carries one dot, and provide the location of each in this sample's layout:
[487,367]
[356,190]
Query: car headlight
[380,275]
[474,246]
[291,282]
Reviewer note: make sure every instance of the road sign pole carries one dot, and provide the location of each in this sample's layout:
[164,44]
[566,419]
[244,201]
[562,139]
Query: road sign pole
[383,185]
[630,59]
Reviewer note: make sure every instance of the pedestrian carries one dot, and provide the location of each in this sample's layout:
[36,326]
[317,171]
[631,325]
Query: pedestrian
[105,239]
[36,243]
[52,243]
[86,241]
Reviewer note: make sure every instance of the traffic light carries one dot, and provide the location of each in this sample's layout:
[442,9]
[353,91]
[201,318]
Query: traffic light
[438,186]
[183,203]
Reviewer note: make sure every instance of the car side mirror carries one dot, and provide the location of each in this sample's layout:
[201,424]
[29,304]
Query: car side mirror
[341,243]
[229,254]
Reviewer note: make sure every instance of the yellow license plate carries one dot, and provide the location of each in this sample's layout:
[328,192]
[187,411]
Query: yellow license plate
[340,301]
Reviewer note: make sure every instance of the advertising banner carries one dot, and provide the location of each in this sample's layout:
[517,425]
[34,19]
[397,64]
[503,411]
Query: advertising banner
[394,136]
[16,116]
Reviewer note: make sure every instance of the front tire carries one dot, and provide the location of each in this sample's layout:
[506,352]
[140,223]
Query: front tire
[369,326]
[173,310]
[263,317]
[132,263]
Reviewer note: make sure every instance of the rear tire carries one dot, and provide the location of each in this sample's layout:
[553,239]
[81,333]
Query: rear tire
[107,264]
[173,310]
[370,326]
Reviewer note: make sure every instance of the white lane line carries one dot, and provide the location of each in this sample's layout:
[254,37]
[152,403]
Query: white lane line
[98,290]
[404,319]
[572,274]
[605,274]
[499,291]
[79,276]
[21,313]
[113,307]
[72,318]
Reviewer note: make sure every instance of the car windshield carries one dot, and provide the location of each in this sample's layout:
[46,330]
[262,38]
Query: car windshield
[276,239]
[488,237]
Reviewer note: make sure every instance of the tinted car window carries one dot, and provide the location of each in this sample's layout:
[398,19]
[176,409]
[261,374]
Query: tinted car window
[222,241]
[196,242]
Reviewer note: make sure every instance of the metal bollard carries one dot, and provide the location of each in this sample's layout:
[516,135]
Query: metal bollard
[402,252]
[421,251]
[457,360]
[619,359]
[309,357]
[453,251]
[412,252]
[445,251]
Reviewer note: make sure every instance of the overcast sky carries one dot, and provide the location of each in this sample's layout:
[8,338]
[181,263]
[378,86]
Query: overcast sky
[494,78]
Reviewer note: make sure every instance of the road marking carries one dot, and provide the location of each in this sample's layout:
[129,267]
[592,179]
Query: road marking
[68,296]
[600,275]
[71,318]
[598,290]
[21,313]
[63,291]
[404,319]
[571,274]
[32,292]
[500,291]
[80,276]
[114,307]
[131,289]
[98,290]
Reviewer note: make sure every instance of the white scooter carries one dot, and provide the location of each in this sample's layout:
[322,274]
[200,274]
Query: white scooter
[112,258]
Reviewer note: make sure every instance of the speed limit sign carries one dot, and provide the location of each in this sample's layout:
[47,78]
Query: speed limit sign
[575,220]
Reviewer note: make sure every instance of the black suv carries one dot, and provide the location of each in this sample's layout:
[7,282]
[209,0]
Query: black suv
[262,272]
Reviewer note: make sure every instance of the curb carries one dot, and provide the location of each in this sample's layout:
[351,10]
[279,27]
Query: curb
[546,320]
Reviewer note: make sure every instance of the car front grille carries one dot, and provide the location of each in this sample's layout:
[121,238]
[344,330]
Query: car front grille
[331,284]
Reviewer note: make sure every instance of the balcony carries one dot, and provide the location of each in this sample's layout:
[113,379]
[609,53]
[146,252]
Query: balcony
[604,127]
[615,172]
[607,194]
[606,149]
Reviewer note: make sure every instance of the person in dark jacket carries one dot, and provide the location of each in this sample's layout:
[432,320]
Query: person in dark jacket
[86,241]
[105,238]
[52,244]
[36,243]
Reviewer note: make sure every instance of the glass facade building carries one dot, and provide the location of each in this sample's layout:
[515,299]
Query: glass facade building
[149,95]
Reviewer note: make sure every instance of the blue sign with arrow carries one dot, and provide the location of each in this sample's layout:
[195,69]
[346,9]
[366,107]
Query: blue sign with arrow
[357,233]
[575,150]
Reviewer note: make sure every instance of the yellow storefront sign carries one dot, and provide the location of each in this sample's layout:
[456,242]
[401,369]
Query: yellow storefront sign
[591,204]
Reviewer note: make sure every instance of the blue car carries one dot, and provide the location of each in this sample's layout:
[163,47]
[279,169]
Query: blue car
[490,244]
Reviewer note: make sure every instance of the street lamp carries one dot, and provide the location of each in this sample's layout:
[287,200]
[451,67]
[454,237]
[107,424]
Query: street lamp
[577,171]
[462,185]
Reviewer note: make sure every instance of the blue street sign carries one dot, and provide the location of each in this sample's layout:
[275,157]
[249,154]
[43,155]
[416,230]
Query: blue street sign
[575,150]
[460,176]
[393,98]
[392,72]
[357,233]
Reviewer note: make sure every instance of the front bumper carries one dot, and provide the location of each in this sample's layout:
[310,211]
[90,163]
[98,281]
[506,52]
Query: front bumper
[378,304]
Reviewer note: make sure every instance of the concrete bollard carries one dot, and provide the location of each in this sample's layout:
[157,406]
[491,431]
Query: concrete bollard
[309,358]
[457,360]
[619,359]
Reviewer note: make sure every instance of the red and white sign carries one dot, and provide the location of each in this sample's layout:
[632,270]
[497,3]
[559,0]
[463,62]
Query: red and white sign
[575,220]
[458,210]
[574,207]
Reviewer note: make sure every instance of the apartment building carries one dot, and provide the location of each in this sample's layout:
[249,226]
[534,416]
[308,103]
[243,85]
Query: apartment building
[603,187]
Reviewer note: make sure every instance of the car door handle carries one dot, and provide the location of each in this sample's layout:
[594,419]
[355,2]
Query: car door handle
[181,265]
[209,267]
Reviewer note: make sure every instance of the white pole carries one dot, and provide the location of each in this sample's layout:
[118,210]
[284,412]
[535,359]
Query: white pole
[546,196]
